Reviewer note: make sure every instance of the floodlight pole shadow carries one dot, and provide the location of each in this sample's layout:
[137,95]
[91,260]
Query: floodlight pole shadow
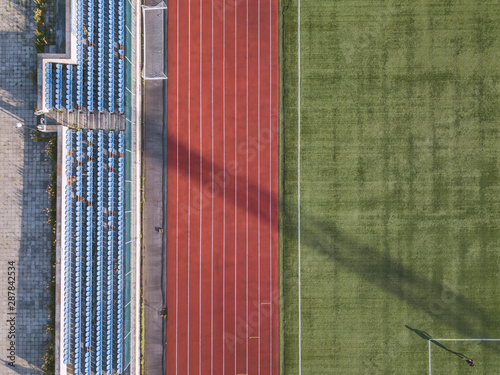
[428,337]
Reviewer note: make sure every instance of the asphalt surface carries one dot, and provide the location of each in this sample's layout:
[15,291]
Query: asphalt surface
[154,240]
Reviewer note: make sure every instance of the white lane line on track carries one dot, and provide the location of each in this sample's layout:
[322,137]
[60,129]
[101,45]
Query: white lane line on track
[212,194]
[258,177]
[247,180]
[235,180]
[177,204]
[189,189]
[298,197]
[224,187]
[201,181]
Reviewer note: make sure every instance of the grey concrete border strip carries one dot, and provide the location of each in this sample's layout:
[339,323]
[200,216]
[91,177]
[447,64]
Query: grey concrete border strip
[136,167]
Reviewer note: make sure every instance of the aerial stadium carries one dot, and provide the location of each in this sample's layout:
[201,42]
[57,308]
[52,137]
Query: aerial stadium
[270,187]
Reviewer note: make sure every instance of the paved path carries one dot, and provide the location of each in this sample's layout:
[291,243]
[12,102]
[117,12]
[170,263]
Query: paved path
[24,236]
[154,249]
[153,263]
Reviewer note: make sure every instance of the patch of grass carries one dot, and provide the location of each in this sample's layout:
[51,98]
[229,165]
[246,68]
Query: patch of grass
[400,175]
[48,359]
[44,16]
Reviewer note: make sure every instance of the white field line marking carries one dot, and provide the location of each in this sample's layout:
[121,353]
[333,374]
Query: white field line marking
[430,357]
[212,193]
[298,197]
[464,339]
[258,175]
[201,180]
[224,187]
[270,190]
[247,179]
[235,179]
[189,189]
[177,205]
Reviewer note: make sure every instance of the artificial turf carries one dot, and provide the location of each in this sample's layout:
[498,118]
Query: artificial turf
[400,185]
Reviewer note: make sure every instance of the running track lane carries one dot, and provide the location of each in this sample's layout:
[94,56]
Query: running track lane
[222,200]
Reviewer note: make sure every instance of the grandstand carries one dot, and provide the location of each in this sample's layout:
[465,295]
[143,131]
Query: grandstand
[83,90]
[85,86]
[92,257]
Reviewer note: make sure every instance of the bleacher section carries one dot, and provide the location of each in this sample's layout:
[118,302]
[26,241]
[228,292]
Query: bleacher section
[94,84]
[93,256]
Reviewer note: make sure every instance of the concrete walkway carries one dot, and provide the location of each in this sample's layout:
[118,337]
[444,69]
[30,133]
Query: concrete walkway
[154,256]
[24,176]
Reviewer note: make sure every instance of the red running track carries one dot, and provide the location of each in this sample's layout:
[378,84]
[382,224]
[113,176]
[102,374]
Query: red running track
[222,201]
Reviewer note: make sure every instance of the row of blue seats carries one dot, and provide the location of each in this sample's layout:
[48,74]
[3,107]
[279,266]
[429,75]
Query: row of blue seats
[100,260]
[121,62]
[79,53]
[67,255]
[120,287]
[78,254]
[58,86]
[48,85]
[100,55]
[90,55]
[69,87]
[111,58]
[90,79]
[89,260]
[109,333]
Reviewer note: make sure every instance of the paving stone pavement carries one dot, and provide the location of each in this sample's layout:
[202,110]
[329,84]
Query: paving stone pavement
[24,176]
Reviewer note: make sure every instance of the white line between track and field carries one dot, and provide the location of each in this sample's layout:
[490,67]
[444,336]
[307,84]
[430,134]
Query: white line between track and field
[298,197]
[201,182]
[189,189]
[177,204]
[270,191]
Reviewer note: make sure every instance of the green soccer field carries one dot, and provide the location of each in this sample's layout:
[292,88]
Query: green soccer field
[399,186]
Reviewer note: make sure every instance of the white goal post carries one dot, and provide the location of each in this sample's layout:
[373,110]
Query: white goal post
[154,41]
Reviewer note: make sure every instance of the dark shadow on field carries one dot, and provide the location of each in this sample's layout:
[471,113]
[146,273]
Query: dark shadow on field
[449,306]
[428,337]
[432,297]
